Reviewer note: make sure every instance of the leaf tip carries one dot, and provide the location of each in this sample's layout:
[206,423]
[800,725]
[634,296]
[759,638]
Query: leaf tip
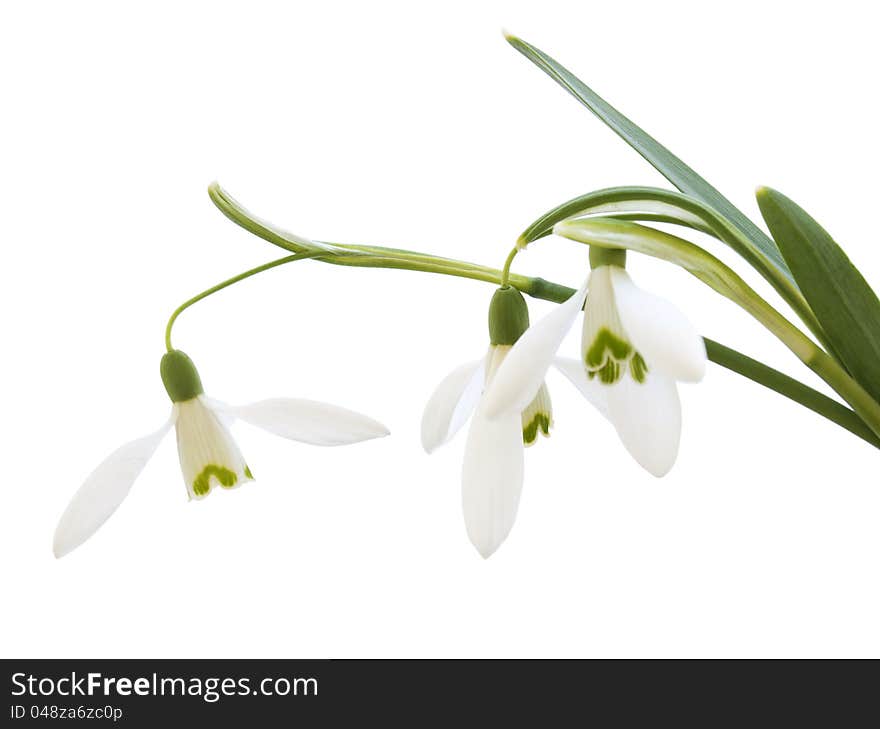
[513,39]
[765,194]
[217,194]
[771,203]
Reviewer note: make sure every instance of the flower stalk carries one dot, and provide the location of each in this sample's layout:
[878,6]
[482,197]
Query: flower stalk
[864,422]
[228,282]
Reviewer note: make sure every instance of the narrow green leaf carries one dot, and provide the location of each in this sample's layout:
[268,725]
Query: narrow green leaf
[667,206]
[236,212]
[653,204]
[664,161]
[841,299]
[791,388]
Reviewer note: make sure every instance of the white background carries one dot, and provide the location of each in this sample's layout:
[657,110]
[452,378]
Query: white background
[412,126]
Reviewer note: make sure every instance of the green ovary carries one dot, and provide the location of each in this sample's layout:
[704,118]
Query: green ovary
[202,483]
[609,356]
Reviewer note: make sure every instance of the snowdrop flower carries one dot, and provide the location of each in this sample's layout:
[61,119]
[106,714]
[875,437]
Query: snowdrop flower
[635,347]
[492,474]
[209,457]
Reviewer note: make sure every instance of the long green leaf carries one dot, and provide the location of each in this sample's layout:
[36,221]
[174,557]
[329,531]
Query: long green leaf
[233,210]
[791,388]
[841,299]
[664,161]
[654,204]
[667,205]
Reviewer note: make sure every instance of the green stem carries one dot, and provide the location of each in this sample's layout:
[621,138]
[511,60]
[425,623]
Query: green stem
[228,282]
[505,272]
[538,288]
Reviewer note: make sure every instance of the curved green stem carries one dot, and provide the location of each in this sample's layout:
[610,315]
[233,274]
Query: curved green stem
[228,282]
[505,272]
[539,288]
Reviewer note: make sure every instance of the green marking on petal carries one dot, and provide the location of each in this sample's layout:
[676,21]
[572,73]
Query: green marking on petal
[537,417]
[608,374]
[609,356]
[541,422]
[202,483]
[247,472]
[638,369]
[606,342]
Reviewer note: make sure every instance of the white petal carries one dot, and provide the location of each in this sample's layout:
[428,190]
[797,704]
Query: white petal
[451,404]
[492,478]
[308,421]
[494,359]
[209,456]
[648,420]
[104,490]
[659,331]
[520,376]
[594,391]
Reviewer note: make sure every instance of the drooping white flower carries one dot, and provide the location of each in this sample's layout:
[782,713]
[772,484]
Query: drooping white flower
[492,471]
[635,347]
[209,456]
